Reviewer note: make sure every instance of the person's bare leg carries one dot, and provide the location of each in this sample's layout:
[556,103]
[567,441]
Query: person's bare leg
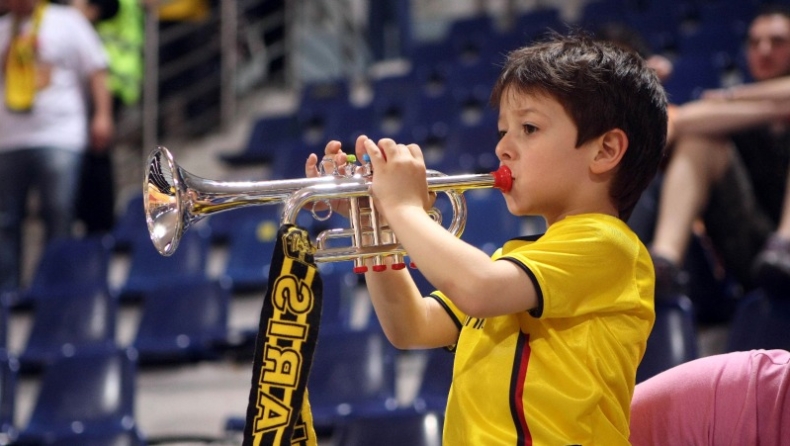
[696,164]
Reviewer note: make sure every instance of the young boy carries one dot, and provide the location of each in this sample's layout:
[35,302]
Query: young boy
[549,331]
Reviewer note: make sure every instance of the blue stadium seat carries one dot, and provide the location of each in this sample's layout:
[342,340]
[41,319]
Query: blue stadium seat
[67,264]
[67,322]
[535,23]
[761,320]
[673,340]
[339,286]
[435,381]
[250,254]
[402,427]
[691,75]
[224,225]
[270,136]
[4,315]
[183,322]
[130,225]
[9,370]
[91,393]
[125,438]
[149,270]
[489,224]
[353,373]
[474,144]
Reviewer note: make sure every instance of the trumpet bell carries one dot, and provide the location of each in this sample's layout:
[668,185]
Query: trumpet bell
[161,198]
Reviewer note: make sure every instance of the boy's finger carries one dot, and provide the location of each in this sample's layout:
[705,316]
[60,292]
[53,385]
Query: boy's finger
[416,152]
[311,166]
[374,152]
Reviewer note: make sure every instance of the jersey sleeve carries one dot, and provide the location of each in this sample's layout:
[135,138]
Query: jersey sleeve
[584,269]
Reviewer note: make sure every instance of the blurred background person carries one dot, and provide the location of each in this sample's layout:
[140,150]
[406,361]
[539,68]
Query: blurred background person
[51,54]
[120,25]
[729,169]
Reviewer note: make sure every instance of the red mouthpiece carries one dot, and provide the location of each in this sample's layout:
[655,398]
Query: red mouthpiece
[503,179]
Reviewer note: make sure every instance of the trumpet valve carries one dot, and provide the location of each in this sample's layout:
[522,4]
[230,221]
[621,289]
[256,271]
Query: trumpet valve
[359,266]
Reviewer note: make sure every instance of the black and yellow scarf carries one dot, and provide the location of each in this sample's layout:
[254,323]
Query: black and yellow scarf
[278,411]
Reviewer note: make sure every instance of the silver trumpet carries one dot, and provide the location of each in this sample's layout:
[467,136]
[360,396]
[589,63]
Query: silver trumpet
[175,199]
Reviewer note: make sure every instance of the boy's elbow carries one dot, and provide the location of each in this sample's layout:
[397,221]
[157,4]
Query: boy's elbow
[471,301]
[403,341]
[399,343]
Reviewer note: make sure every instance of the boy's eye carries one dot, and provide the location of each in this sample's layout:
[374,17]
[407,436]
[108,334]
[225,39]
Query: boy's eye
[529,129]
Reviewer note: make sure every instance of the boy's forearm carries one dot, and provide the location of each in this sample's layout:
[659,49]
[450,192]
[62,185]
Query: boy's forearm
[456,268]
[404,314]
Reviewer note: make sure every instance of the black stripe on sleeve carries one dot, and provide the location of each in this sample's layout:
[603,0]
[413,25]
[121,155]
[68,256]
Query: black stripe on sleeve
[538,310]
[448,310]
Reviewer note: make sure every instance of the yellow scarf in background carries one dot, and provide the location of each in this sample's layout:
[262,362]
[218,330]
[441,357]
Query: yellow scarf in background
[20,64]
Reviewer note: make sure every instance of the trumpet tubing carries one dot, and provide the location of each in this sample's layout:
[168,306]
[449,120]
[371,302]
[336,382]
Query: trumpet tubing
[174,199]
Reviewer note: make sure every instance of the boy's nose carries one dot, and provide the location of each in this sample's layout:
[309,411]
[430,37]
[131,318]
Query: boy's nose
[502,151]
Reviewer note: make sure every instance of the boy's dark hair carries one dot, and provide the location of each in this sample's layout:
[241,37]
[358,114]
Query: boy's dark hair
[602,87]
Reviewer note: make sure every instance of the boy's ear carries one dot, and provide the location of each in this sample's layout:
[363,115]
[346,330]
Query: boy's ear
[611,148]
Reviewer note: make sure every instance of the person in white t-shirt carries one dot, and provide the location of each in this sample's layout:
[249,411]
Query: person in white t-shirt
[54,109]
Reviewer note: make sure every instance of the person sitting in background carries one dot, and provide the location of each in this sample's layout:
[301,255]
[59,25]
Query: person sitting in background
[738,398]
[729,167]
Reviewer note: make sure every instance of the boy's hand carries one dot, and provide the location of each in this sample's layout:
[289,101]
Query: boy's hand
[399,178]
[333,150]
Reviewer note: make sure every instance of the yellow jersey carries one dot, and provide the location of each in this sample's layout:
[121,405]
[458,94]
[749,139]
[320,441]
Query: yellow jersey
[564,372]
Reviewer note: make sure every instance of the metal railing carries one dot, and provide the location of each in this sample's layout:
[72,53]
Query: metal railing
[192,79]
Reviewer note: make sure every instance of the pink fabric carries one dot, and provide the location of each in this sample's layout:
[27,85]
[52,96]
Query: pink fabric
[740,398]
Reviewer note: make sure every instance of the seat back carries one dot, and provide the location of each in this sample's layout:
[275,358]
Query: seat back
[761,321]
[69,264]
[224,225]
[149,270]
[123,438]
[89,393]
[250,252]
[403,427]
[353,372]
[673,340]
[489,223]
[436,379]
[130,225]
[182,321]
[67,322]
[339,287]
[9,369]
